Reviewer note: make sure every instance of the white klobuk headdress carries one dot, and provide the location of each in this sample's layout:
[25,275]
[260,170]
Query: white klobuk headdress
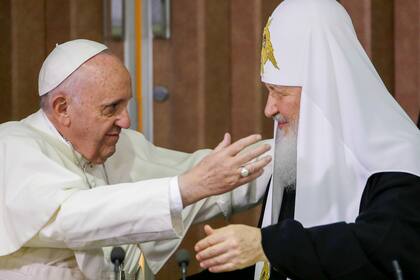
[350,127]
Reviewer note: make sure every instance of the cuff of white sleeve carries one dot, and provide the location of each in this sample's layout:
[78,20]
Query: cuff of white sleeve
[176,206]
[225,204]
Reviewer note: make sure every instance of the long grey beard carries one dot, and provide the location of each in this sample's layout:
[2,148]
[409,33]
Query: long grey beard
[286,157]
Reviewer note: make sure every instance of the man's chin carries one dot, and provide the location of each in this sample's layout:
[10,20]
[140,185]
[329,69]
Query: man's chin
[110,152]
[284,130]
[288,128]
[105,154]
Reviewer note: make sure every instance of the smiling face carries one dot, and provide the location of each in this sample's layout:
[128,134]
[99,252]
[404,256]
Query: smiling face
[96,107]
[283,104]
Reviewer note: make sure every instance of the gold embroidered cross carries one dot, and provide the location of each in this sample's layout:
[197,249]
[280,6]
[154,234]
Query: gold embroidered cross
[267,51]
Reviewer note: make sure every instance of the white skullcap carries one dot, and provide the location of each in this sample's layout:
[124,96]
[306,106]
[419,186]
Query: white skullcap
[64,60]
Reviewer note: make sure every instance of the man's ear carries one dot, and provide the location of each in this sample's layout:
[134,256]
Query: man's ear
[60,106]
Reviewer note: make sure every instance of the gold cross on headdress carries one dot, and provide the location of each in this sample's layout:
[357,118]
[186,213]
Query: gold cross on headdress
[267,51]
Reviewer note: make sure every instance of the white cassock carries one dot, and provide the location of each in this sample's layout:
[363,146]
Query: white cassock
[58,213]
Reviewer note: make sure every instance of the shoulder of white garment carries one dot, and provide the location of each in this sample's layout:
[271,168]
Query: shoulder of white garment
[35,178]
[17,131]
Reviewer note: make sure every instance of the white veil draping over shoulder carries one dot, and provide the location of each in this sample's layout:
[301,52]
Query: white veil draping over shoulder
[350,127]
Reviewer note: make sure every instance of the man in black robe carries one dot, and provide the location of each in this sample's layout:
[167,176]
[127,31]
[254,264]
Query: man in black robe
[344,198]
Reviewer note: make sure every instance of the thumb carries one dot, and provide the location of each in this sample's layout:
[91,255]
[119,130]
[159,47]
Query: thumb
[208,230]
[225,142]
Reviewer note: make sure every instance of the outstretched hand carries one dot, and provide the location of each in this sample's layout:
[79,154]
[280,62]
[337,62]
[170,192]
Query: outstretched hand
[229,248]
[219,172]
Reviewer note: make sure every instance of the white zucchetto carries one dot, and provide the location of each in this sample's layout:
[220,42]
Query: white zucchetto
[64,60]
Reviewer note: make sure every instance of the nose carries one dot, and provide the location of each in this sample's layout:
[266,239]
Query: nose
[123,120]
[270,107]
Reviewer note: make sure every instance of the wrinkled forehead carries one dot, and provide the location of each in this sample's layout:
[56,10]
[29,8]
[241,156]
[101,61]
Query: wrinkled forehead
[104,64]
[282,89]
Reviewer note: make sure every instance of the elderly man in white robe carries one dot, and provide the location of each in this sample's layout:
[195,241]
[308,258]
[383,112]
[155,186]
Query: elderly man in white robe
[75,180]
[344,202]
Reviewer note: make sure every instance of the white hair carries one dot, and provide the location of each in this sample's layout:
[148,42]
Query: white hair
[285,157]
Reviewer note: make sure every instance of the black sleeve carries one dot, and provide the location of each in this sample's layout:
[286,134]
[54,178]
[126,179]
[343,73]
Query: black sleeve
[247,274]
[387,229]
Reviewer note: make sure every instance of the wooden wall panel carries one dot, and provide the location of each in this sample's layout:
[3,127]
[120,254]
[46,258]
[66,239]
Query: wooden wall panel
[194,65]
[57,23]
[407,56]
[28,52]
[183,74]
[248,19]
[382,41]
[30,30]
[217,88]
[247,93]
[373,21]
[217,74]
[162,76]
[389,32]
[86,19]
[5,61]
[360,13]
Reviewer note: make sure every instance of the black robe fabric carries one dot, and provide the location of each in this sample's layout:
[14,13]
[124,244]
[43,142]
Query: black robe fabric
[387,229]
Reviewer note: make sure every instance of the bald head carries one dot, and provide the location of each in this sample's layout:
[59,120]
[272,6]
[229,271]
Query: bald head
[104,69]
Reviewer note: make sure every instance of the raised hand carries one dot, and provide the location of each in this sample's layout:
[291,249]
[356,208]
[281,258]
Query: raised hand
[220,171]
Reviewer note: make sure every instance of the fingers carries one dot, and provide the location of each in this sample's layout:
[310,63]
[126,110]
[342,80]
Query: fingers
[259,164]
[209,241]
[224,262]
[208,229]
[239,145]
[222,268]
[220,257]
[255,169]
[225,142]
[244,158]
[211,252]
[232,247]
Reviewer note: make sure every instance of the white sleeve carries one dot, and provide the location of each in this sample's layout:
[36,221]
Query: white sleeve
[115,214]
[176,206]
[158,252]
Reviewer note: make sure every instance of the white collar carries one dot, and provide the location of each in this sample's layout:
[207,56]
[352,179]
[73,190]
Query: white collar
[52,128]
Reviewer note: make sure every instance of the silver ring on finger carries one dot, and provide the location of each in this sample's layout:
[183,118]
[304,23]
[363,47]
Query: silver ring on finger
[244,172]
